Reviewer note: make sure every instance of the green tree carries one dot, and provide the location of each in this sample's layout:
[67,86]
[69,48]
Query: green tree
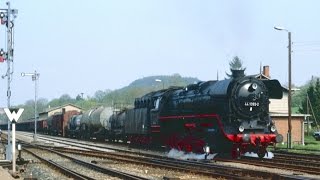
[78,98]
[317,100]
[42,104]
[65,98]
[313,93]
[99,95]
[235,64]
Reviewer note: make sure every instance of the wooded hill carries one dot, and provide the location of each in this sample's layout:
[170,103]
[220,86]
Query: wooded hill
[124,96]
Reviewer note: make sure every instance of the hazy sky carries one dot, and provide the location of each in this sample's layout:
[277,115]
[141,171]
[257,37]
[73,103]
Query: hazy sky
[84,46]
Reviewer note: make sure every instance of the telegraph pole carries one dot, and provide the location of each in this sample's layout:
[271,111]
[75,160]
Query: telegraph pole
[289,144]
[289,94]
[5,15]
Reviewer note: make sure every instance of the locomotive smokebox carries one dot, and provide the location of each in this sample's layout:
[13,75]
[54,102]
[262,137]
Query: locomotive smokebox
[237,73]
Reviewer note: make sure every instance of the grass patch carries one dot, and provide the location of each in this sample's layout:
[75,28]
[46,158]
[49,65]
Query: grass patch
[311,146]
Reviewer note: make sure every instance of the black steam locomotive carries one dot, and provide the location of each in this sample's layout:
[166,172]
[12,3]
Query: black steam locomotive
[231,115]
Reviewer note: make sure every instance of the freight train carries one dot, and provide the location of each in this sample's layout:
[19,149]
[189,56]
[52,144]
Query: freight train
[228,116]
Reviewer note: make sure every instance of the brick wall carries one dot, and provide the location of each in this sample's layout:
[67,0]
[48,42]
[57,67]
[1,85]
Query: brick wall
[282,126]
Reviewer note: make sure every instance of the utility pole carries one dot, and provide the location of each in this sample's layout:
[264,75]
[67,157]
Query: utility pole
[307,113]
[5,15]
[289,144]
[289,94]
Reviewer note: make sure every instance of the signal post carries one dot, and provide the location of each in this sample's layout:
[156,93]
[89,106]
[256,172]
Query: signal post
[7,17]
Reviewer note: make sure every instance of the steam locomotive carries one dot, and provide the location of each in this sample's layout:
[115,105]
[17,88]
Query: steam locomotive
[230,115]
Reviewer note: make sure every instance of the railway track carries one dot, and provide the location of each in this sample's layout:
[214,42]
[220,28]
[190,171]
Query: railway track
[299,156]
[195,167]
[311,151]
[296,166]
[62,169]
[74,174]
[167,164]
[202,168]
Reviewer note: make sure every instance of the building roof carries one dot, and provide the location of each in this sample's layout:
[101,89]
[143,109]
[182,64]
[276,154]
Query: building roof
[59,107]
[261,76]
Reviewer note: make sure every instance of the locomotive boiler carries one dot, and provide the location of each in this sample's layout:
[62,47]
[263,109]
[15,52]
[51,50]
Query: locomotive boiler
[230,115]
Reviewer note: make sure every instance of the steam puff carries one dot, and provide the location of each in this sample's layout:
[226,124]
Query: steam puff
[174,153]
[251,154]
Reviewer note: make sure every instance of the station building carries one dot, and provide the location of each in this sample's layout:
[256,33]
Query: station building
[51,111]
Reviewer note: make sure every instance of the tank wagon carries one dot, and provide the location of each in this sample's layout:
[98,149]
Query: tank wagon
[73,128]
[94,123]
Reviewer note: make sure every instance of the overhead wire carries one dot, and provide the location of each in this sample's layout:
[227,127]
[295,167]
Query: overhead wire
[306,46]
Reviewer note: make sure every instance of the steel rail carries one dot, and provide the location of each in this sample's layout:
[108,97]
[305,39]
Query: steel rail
[272,164]
[107,171]
[64,170]
[184,165]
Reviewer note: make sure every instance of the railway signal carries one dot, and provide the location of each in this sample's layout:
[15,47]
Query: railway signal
[35,77]
[2,55]
[3,18]
[7,17]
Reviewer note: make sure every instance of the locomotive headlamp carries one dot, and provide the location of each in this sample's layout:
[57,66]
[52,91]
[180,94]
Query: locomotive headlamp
[241,128]
[254,86]
[273,128]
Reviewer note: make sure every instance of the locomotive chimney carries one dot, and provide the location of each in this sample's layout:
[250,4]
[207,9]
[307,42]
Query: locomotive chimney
[237,73]
[266,71]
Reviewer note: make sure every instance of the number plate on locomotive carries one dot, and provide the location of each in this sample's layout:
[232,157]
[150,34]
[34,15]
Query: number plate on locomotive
[251,104]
